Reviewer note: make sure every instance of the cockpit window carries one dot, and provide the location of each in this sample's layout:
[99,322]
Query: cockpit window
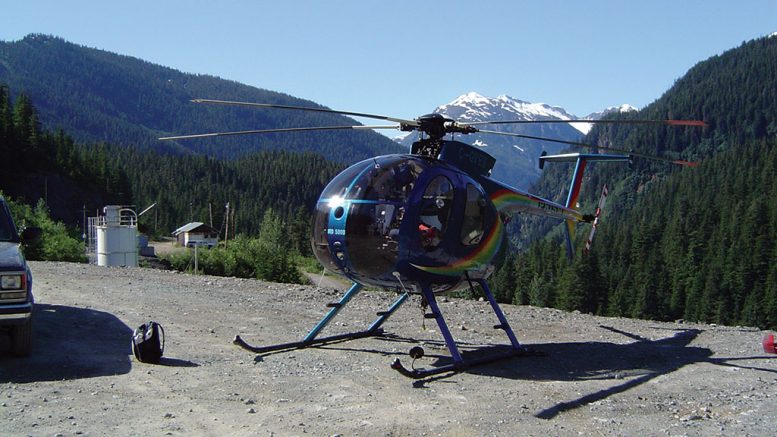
[373,223]
[435,212]
[383,178]
[474,213]
[338,186]
[389,181]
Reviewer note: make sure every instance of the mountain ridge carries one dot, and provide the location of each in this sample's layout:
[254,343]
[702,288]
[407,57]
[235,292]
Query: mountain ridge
[100,96]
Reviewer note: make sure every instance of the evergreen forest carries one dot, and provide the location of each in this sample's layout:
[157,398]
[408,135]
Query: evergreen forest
[675,243]
[185,188]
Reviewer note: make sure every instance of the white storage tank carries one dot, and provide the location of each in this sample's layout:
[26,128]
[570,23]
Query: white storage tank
[117,237]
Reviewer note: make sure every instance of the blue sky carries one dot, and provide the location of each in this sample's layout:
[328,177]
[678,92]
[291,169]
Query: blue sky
[404,58]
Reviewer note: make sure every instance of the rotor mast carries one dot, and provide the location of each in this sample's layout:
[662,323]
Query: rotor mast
[436,126]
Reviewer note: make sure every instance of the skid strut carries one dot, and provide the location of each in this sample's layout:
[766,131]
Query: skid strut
[459,364]
[335,307]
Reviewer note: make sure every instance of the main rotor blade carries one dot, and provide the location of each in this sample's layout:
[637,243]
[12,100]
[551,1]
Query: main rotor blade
[302,108]
[600,121]
[268,131]
[591,146]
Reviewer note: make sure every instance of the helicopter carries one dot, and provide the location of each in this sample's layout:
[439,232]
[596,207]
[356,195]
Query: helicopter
[429,221]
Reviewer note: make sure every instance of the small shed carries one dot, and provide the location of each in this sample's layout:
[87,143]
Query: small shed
[196,234]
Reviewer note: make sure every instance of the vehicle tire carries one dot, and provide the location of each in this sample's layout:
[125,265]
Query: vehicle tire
[21,339]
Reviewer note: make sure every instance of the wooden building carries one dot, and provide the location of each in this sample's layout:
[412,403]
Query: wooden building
[196,234]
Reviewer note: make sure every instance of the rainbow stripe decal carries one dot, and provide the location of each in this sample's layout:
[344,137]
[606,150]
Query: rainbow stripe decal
[505,200]
[509,201]
[577,182]
[478,259]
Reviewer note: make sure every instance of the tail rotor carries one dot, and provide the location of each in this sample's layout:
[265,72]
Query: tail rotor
[597,217]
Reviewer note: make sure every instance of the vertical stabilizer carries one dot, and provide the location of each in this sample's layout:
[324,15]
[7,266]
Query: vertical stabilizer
[574,193]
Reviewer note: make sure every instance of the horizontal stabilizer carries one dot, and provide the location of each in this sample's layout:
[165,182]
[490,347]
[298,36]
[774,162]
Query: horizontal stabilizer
[573,157]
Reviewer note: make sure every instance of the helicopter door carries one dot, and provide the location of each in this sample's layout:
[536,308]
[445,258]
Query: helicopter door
[472,228]
[435,212]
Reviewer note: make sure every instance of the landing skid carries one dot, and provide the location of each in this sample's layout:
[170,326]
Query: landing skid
[303,344]
[311,339]
[457,367]
[459,364]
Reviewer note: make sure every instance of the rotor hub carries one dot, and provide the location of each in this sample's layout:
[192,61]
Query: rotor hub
[436,126]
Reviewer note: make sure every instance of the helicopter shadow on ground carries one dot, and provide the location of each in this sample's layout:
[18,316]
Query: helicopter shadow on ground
[626,365]
[72,343]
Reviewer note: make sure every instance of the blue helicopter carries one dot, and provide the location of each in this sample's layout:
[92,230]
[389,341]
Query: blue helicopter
[429,221]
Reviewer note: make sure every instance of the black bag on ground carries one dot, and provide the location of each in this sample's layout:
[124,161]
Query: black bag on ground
[148,342]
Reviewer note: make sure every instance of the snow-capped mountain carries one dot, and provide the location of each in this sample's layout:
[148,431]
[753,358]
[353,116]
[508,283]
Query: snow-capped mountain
[585,127]
[474,107]
[517,158]
[611,110]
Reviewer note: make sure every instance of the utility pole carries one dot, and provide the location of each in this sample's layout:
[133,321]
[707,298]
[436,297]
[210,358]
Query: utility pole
[83,229]
[234,222]
[226,232]
[83,223]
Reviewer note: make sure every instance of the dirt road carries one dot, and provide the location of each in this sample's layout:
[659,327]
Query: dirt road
[600,376]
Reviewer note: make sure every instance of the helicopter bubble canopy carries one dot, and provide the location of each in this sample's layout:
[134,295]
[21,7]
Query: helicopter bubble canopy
[406,216]
[359,214]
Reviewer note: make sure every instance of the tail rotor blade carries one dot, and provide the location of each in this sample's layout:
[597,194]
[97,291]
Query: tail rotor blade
[597,218]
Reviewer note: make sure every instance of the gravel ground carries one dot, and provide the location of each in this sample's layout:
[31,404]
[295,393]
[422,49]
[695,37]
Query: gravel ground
[599,376]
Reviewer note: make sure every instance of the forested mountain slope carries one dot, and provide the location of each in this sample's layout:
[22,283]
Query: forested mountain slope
[36,164]
[196,188]
[695,243]
[76,179]
[98,96]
